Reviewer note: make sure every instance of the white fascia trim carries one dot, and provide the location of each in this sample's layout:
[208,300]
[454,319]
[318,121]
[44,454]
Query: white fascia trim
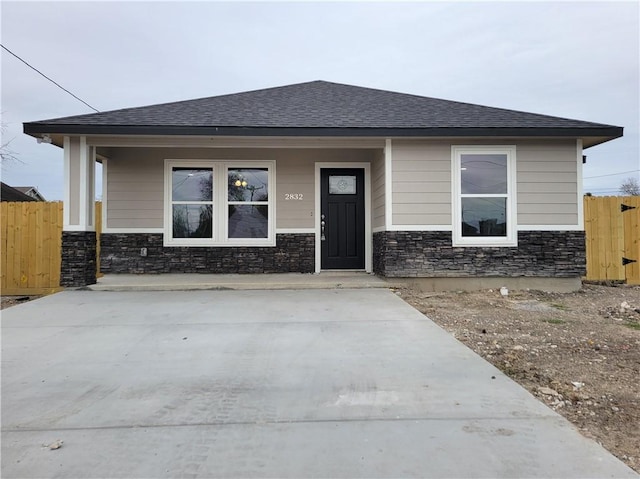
[368,235]
[133,230]
[284,231]
[66,208]
[580,198]
[421,228]
[388,184]
[550,228]
[74,228]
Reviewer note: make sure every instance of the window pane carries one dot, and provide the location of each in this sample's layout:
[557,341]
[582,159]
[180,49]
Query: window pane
[248,184]
[248,221]
[189,184]
[192,221]
[484,216]
[342,185]
[483,174]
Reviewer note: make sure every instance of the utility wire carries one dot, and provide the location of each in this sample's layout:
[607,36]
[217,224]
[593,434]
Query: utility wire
[611,174]
[52,81]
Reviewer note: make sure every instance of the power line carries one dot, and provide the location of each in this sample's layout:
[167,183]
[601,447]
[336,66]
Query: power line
[52,81]
[610,174]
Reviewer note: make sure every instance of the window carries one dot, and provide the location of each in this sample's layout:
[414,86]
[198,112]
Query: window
[217,203]
[192,202]
[248,200]
[484,196]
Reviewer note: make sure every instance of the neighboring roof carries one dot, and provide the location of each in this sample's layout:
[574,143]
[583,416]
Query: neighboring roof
[8,193]
[31,191]
[321,108]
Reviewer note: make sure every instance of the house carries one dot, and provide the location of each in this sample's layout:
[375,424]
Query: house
[324,176]
[31,191]
[10,193]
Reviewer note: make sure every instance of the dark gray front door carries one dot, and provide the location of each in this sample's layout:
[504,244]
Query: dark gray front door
[342,218]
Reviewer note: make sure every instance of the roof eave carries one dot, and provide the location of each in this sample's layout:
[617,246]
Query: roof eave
[603,133]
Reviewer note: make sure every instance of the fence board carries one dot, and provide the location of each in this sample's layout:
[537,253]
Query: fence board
[31,244]
[611,235]
[631,219]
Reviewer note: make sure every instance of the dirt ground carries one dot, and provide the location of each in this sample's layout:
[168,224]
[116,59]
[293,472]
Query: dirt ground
[8,301]
[577,352]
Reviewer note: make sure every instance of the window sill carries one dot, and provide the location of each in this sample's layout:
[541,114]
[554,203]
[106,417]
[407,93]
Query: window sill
[228,244]
[457,243]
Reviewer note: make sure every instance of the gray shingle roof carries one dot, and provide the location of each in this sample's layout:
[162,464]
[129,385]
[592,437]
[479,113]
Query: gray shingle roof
[8,193]
[317,107]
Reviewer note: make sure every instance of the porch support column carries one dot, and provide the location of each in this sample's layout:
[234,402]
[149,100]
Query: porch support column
[78,231]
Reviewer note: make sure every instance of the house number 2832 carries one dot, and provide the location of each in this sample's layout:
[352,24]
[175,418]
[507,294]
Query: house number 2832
[293,196]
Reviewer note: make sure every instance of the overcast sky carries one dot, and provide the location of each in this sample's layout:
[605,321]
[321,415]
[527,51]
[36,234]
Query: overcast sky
[570,59]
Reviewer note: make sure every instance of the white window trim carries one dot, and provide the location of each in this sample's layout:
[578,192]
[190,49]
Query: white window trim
[220,203]
[511,239]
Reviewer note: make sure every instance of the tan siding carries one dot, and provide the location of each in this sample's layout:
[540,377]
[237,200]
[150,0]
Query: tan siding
[378,190]
[549,187]
[420,170]
[551,219]
[545,167]
[545,198]
[534,178]
[422,219]
[296,174]
[547,183]
[135,180]
[134,190]
[74,180]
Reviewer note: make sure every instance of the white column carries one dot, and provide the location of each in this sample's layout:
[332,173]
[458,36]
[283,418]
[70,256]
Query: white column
[79,185]
[388,185]
[580,185]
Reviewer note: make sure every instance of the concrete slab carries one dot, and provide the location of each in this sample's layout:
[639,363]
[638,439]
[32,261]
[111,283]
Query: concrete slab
[313,383]
[194,282]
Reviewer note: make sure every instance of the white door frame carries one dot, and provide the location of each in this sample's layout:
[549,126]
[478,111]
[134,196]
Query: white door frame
[368,242]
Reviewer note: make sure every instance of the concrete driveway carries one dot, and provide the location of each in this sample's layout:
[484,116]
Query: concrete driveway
[311,383]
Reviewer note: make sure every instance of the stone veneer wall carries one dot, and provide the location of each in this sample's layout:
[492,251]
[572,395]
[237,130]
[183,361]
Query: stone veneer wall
[78,267]
[430,254]
[120,253]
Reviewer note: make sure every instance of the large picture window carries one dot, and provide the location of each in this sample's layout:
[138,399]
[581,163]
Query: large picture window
[484,196]
[218,203]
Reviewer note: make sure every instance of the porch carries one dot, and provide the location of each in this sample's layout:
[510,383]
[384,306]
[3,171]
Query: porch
[196,281]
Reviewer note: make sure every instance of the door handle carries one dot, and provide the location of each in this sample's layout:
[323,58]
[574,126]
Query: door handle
[322,225]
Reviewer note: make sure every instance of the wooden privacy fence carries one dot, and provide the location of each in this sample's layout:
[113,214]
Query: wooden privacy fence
[612,227]
[31,245]
[31,242]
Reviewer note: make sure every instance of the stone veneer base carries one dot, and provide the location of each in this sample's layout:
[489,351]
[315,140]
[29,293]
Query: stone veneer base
[120,253]
[78,266]
[552,254]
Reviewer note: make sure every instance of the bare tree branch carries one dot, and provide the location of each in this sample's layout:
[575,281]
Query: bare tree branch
[630,187]
[7,155]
